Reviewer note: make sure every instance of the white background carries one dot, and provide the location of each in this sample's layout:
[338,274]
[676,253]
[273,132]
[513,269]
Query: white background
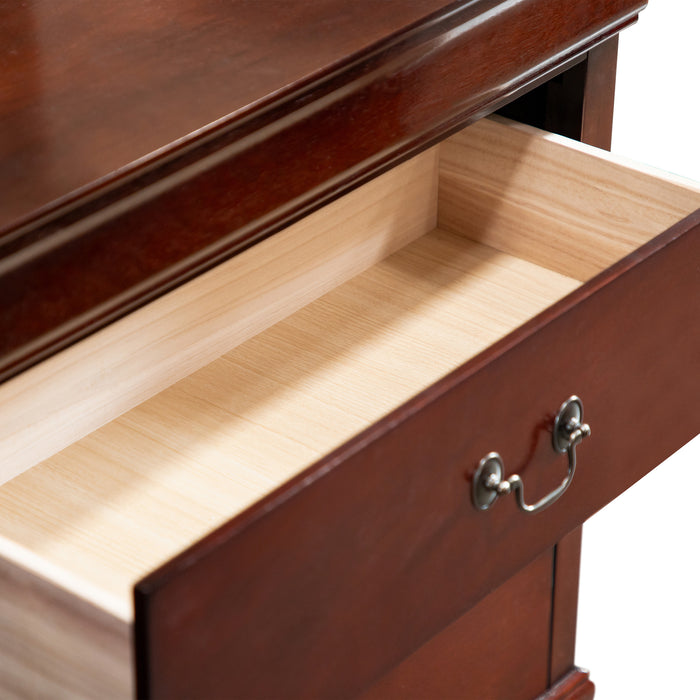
[639,607]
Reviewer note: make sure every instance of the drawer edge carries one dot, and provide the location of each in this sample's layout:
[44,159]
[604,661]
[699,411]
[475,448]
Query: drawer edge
[56,644]
[327,508]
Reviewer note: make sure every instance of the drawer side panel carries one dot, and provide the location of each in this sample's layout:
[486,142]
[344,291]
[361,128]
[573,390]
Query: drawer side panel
[55,645]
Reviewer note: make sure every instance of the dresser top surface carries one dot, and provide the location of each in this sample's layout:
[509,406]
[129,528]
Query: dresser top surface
[92,90]
[142,144]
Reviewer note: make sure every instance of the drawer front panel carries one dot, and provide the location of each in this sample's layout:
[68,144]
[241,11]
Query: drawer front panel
[368,554]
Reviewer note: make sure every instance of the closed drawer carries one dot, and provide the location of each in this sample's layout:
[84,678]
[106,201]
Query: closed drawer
[326,463]
[474,657]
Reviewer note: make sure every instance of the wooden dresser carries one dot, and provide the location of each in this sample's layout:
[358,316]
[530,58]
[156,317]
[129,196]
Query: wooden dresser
[272,289]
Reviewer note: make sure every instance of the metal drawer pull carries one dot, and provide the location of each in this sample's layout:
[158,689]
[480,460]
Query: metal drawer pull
[568,432]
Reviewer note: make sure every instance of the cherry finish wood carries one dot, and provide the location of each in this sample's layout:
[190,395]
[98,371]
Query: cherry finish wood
[578,103]
[87,100]
[377,547]
[567,566]
[575,685]
[143,147]
[497,650]
[238,125]
[599,95]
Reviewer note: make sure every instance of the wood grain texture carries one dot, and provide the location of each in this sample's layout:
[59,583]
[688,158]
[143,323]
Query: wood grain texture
[54,645]
[599,95]
[127,497]
[178,155]
[522,201]
[499,649]
[575,685]
[538,197]
[365,537]
[94,381]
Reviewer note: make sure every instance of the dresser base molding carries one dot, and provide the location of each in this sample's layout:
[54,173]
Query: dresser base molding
[575,685]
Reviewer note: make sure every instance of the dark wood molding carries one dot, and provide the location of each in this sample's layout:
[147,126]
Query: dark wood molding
[141,230]
[575,685]
[406,481]
[93,94]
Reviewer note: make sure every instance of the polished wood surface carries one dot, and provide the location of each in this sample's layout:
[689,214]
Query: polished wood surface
[567,564]
[90,91]
[499,649]
[144,147]
[575,685]
[347,520]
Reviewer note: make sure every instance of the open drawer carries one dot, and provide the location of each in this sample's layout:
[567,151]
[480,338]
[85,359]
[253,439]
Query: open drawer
[295,517]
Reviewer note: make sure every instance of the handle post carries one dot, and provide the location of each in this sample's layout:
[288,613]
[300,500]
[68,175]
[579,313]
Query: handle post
[489,484]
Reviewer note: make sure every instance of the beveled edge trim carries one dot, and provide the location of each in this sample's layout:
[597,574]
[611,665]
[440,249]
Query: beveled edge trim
[147,215]
[575,685]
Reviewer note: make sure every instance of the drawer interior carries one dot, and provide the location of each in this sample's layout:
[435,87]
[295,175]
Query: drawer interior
[521,218]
